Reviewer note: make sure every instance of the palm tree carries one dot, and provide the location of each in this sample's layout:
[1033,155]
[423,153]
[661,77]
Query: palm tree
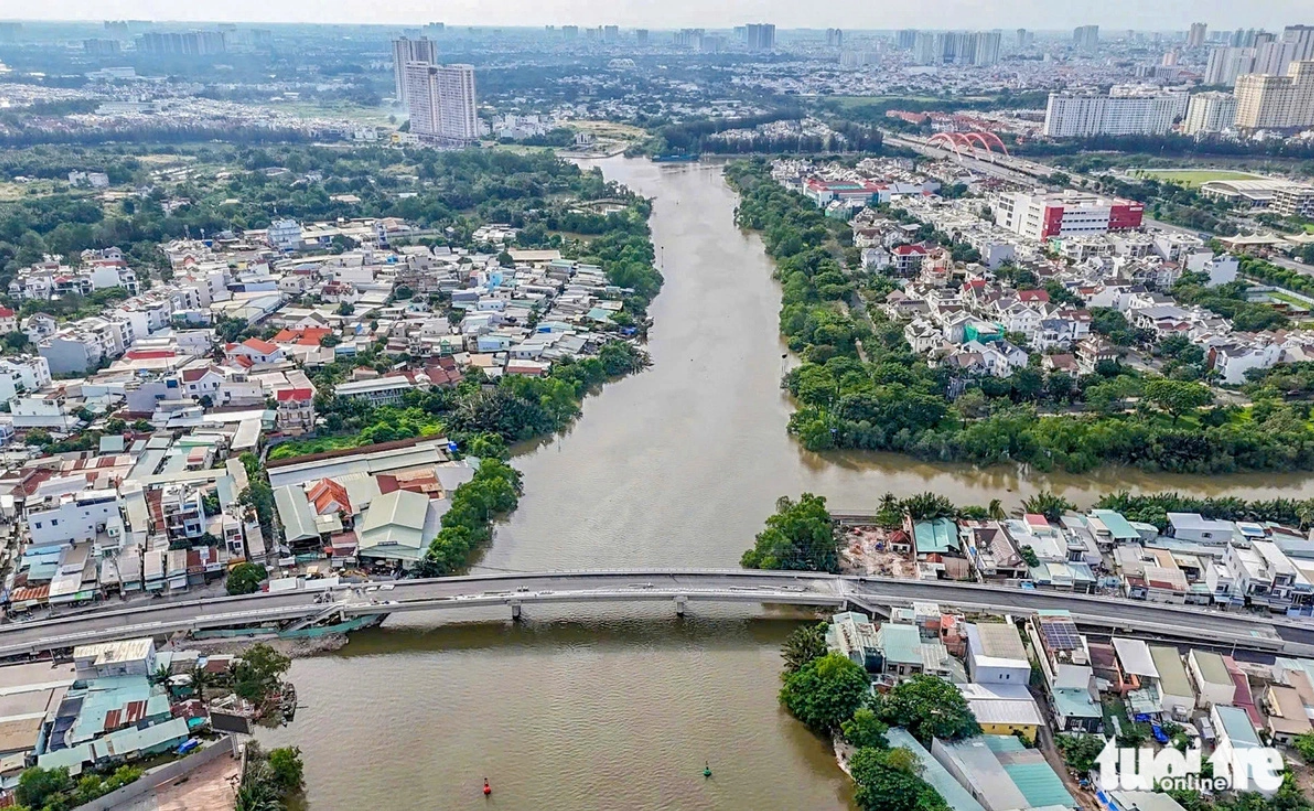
[804,645]
[1049,504]
[996,510]
[201,679]
[161,675]
[257,796]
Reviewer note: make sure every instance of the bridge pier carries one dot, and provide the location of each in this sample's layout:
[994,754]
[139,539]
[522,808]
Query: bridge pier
[681,603]
[515,610]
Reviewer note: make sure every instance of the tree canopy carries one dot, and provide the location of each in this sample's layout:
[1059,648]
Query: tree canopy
[798,536]
[825,692]
[928,707]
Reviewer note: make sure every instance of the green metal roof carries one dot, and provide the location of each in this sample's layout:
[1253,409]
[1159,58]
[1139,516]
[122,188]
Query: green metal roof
[1120,528]
[900,644]
[1039,784]
[1004,743]
[1070,702]
[937,536]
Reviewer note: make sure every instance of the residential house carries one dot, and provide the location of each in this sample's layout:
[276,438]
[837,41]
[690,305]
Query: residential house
[1004,709]
[295,413]
[253,351]
[392,530]
[1176,695]
[995,654]
[1285,715]
[853,636]
[1065,666]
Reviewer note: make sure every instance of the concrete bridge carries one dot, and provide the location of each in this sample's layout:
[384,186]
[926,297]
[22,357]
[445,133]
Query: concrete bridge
[678,587]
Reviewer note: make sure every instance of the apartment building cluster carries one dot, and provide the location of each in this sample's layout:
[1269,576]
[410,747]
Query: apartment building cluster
[1124,110]
[1259,52]
[440,99]
[977,48]
[1277,101]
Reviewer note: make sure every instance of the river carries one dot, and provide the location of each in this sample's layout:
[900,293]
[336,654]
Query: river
[678,466]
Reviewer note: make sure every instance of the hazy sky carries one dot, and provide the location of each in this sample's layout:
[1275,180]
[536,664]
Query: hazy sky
[1114,15]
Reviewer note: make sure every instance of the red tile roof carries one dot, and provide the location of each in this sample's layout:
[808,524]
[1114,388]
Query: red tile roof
[193,375]
[305,336]
[326,493]
[149,354]
[284,395]
[5,312]
[263,347]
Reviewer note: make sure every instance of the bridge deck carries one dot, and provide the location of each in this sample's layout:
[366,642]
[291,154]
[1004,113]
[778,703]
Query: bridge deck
[651,585]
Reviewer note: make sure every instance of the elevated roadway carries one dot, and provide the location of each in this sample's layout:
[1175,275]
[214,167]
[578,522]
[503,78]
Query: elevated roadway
[675,586]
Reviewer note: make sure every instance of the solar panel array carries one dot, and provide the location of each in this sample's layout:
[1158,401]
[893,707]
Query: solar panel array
[1061,634]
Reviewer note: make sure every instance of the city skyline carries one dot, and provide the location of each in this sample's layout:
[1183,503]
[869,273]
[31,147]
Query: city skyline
[850,15]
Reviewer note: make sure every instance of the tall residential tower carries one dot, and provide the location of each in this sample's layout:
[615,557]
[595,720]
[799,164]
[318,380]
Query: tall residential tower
[441,101]
[406,51]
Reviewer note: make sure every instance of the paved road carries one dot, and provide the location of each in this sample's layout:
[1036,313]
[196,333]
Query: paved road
[801,588]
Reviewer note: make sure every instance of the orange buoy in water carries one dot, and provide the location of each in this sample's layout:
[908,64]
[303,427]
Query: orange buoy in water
[487,788]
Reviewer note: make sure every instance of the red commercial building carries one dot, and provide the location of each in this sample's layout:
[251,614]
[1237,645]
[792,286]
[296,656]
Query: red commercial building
[1043,215]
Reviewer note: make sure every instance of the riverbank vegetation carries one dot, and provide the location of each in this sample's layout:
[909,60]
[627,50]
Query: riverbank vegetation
[1153,508]
[514,408]
[55,790]
[860,386]
[801,536]
[468,523]
[832,695]
[798,536]
[269,779]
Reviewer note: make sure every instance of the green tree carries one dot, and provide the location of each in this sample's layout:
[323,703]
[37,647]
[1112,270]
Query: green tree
[260,496]
[927,507]
[37,786]
[257,796]
[928,707]
[287,770]
[259,672]
[826,692]
[1304,745]
[798,536]
[806,643]
[865,729]
[1177,397]
[245,578]
[251,462]
[889,780]
[1080,751]
[1049,504]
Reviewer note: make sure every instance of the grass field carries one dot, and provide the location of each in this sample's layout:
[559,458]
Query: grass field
[1194,177]
[302,447]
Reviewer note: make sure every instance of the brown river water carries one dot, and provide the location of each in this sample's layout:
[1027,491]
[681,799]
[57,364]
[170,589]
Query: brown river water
[618,707]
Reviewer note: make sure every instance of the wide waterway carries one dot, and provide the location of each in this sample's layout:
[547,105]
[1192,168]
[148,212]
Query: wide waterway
[619,706]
